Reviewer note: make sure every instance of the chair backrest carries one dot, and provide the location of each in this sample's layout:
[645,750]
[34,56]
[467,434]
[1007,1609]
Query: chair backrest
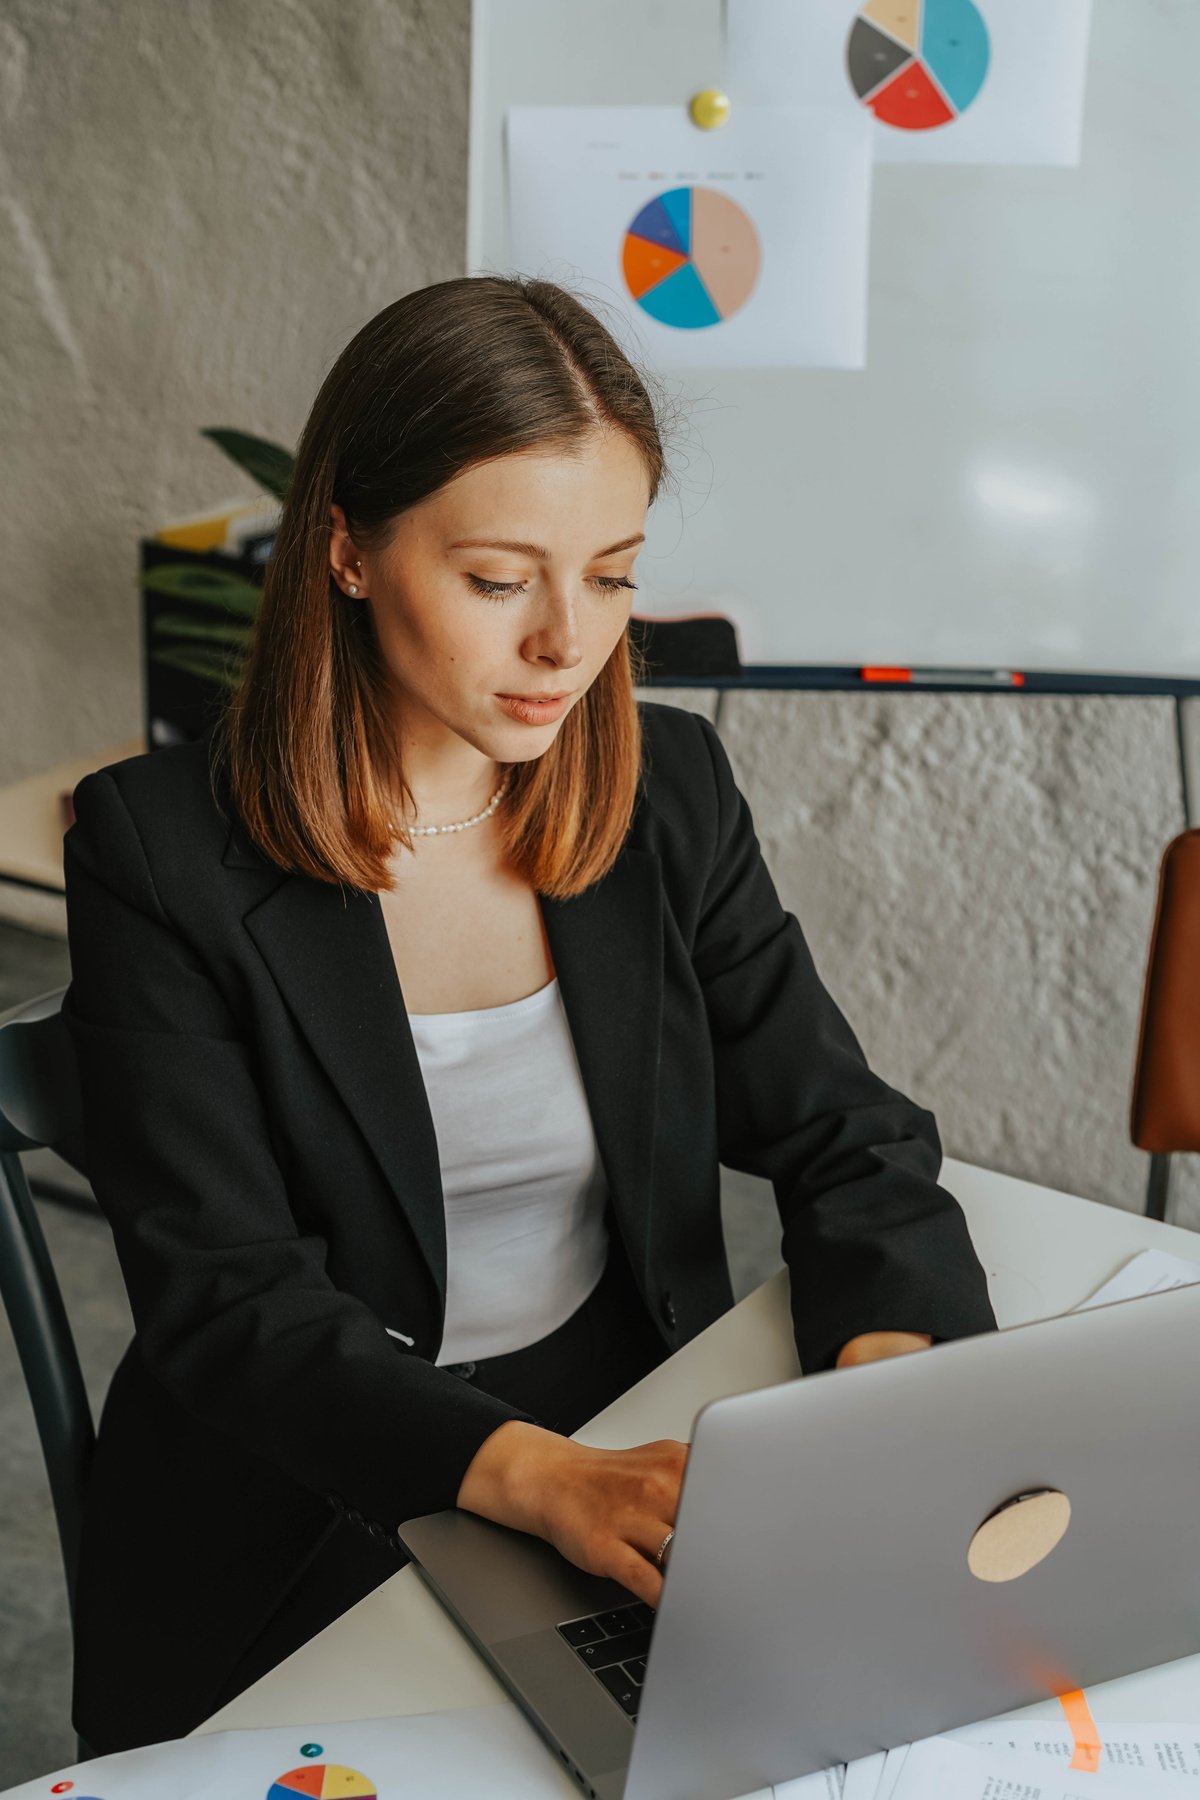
[40,1107]
[1165,1114]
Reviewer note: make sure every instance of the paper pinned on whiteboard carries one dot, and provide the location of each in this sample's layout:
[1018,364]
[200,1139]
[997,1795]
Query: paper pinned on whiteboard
[947,81]
[745,247]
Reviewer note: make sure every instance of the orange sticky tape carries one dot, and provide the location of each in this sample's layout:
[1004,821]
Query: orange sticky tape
[1083,1729]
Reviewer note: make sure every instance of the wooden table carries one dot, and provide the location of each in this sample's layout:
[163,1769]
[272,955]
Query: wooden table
[31,834]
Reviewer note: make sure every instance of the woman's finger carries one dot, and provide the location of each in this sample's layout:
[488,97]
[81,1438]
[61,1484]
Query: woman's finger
[637,1573]
[647,1537]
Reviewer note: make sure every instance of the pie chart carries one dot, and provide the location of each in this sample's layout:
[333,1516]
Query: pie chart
[321,1781]
[691,258]
[918,64]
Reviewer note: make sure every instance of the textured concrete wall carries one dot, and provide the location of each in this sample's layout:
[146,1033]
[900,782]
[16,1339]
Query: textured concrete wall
[976,876]
[199,204]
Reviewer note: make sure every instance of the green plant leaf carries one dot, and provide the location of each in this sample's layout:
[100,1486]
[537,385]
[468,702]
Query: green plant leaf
[214,631]
[268,464]
[208,586]
[209,666]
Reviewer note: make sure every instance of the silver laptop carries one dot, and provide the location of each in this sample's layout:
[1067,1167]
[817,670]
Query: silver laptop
[819,1603]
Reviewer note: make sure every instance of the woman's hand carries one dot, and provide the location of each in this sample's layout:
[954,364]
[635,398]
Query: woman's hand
[607,1511]
[873,1346]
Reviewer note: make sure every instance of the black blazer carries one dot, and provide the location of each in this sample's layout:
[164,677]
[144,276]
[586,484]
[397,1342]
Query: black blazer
[258,1135]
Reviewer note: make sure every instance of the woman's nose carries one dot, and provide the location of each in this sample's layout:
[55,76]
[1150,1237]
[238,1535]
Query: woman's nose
[557,635]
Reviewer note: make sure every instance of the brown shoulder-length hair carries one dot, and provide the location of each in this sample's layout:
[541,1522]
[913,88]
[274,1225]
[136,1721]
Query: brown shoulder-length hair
[448,376]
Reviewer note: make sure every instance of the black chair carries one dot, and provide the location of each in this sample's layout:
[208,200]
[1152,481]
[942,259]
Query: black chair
[40,1108]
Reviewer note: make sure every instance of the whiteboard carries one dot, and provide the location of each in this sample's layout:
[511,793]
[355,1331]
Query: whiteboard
[1013,481]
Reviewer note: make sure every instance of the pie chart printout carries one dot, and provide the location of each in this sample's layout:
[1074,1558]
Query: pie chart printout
[691,257]
[321,1781]
[918,64]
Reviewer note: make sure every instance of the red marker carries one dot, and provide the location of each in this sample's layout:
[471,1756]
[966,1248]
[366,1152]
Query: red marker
[948,677]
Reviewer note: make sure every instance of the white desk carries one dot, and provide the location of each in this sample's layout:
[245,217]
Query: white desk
[397,1652]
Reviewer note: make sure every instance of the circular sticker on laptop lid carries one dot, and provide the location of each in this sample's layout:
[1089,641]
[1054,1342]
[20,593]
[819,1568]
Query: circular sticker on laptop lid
[1019,1535]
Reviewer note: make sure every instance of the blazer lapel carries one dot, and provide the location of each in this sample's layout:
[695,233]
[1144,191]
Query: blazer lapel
[328,952]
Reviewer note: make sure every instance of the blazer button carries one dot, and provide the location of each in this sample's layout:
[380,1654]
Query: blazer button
[668,1311]
[465,1369]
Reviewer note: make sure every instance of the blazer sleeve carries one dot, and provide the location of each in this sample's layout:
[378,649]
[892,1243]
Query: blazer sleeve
[235,1313]
[871,1242]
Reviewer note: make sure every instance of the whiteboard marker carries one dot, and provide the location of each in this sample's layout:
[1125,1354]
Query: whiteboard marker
[948,677]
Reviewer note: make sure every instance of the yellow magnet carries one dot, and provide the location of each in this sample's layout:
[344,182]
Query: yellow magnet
[709,108]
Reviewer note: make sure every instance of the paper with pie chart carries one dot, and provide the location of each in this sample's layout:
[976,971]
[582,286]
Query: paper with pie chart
[479,1753]
[740,248]
[951,81]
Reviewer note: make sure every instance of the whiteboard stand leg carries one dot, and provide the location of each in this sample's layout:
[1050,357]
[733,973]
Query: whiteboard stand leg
[1187,714]
[1158,1186]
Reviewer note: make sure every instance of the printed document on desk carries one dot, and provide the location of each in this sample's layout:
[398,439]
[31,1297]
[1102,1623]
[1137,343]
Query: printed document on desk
[477,1753]
[1163,1759]
[1149,1272]
[1029,1759]
[940,1769]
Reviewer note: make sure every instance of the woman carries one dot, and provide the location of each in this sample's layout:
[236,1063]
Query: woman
[415,1009]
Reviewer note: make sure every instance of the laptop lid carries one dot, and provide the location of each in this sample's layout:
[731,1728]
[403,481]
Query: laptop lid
[821,1602]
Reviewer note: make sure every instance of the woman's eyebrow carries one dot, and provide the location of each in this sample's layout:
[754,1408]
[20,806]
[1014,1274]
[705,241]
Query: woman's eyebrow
[536,549]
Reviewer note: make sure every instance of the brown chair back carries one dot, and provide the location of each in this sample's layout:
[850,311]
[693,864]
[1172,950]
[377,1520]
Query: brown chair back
[1165,1115]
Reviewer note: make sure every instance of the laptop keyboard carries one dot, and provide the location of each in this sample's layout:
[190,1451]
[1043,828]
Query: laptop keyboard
[614,1645]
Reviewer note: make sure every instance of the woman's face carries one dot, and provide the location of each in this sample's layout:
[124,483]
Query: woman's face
[514,579]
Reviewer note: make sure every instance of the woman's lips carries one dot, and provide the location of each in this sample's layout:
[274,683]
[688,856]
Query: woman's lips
[534,712]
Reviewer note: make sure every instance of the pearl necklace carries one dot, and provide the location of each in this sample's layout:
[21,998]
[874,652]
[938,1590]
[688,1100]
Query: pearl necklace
[463,824]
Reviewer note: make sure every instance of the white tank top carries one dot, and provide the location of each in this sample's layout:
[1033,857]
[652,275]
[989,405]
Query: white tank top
[524,1187]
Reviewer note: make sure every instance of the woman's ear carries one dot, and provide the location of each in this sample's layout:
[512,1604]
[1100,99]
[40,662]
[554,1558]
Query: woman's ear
[344,564]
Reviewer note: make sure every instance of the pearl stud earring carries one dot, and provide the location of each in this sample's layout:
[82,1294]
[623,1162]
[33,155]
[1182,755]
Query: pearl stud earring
[351,588]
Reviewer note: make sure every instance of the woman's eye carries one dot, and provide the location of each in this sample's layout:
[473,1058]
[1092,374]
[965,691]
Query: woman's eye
[499,590]
[493,590]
